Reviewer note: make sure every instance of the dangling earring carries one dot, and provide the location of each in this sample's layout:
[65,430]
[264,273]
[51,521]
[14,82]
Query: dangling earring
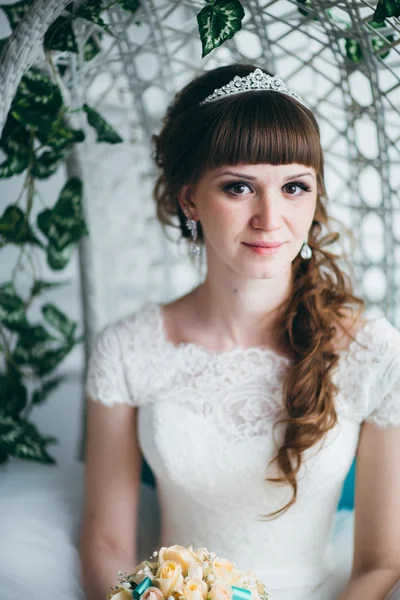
[305,251]
[194,248]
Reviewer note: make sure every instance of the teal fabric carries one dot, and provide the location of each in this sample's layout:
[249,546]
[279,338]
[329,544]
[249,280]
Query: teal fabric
[147,474]
[346,500]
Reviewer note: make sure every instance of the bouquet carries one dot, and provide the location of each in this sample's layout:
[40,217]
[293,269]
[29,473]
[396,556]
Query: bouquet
[179,573]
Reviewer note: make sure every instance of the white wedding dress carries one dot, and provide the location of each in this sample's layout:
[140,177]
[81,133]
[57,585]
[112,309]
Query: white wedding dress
[205,427]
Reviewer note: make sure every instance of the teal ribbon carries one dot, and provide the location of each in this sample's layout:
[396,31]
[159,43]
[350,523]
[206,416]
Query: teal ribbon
[240,593]
[237,592]
[141,588]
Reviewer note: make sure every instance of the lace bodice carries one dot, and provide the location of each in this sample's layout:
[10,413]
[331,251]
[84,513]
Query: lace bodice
[205,427]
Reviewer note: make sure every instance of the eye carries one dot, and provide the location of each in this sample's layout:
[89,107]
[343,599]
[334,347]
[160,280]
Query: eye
[298,184]
[236,188]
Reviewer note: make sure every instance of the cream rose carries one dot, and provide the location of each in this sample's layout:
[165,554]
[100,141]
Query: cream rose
[201,552]
[195,571]
[226,570]
[247,577]
[195,589]
[120,594]
[180,554]
[220,591]
[152,593]
[169,577]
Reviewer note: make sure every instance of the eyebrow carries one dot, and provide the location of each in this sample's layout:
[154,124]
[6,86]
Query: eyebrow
[252,178]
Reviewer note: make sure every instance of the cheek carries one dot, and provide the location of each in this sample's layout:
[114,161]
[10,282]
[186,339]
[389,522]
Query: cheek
[301,217]
[223,222]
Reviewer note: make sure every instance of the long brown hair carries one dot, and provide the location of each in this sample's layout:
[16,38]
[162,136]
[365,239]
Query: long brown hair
[267,127]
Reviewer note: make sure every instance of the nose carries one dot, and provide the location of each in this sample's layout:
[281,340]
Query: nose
[268,212]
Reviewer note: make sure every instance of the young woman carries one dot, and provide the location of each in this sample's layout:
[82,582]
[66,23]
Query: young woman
[250,395]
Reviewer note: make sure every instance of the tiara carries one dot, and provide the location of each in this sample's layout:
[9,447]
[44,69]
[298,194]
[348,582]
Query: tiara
[255,81]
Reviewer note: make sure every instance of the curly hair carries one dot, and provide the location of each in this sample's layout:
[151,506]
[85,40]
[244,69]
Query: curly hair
[253,128]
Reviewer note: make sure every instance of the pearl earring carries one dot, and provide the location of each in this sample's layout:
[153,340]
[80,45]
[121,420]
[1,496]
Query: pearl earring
[305,251]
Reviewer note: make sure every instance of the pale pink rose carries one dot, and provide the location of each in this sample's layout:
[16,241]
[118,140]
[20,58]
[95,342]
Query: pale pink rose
[152,593]
[220,591]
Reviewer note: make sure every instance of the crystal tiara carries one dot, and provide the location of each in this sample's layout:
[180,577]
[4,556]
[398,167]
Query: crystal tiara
[257,80]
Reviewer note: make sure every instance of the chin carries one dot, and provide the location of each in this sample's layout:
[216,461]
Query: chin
[264,272]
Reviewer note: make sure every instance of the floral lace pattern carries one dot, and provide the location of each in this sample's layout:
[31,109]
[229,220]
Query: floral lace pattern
[206,428]
[133,362]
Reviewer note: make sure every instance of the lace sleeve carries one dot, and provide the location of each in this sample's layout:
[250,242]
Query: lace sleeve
[105,380]
[387,408]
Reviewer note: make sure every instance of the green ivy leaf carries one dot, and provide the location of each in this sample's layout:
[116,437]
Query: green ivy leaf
[60,135]
[385,9]
[13,165]
[16,12]
[40,285]
[12,308]
[64,224]
[50,359]
[21,439]
[378,43]
[8,288]
[353,48]
[91,48]
[60,36]
[90,11]
[41,394]
[62,68]
[37,102]
[59,321]
[13,394]
[49,161]
[130,5]
[353,51]
[15,229]
[34,335]
[21,356]
[305,12]
[58,259]
[218,22]
[105,133]
[15,138]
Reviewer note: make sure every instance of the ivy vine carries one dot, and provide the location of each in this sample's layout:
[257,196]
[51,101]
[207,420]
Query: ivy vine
[36,140]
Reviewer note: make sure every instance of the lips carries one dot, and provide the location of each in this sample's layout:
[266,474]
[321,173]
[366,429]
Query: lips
[266,244]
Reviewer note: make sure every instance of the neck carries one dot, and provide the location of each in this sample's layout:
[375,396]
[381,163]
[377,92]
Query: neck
[243,313]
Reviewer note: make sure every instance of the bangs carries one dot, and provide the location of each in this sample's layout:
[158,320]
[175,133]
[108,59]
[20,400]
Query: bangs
[258,127]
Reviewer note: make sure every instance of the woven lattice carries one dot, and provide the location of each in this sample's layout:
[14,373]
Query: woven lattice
[348,72]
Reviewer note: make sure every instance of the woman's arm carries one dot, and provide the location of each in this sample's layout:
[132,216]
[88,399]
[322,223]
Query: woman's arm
[113,466]
[99,571]
[372,585]
[376,563]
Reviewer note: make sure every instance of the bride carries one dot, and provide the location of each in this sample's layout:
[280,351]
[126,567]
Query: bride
[250,396]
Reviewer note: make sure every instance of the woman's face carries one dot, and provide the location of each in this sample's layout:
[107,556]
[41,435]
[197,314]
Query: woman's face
[244,205]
